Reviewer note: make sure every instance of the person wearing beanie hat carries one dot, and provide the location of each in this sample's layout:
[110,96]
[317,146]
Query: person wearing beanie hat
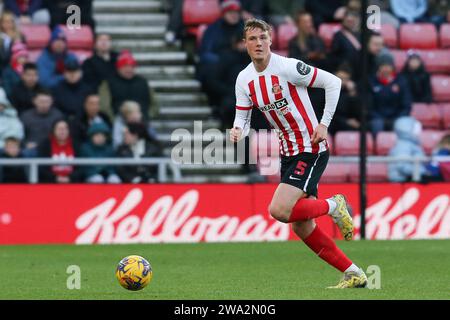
[69,93]
[390,98]
[418,78]
[127,85]
[11,74]
[51,62]
[217,40]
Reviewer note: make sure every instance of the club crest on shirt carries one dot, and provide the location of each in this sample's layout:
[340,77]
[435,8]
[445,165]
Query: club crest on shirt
[276,89]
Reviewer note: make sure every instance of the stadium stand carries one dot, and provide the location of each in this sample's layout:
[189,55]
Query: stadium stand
[427,114]
[36,36]
[384,142]
[444,35]
[197,12]
[440,85]
[346,143]
[327,31]
[418,36]
[389,34]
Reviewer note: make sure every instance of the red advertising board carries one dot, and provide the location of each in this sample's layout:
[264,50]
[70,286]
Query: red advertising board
[85,214]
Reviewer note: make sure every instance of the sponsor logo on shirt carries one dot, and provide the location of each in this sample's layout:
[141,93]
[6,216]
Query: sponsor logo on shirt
[279,105]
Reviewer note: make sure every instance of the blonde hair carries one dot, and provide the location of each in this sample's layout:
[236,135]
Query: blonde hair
[16,33]
[129,107]
[251,24]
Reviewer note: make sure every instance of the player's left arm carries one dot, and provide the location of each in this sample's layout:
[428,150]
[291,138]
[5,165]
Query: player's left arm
[301,73]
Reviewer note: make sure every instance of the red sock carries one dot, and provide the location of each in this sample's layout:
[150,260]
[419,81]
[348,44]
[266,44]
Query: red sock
[306,209]
[327,250]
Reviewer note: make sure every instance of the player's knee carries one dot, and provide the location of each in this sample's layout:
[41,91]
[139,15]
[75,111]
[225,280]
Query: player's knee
[279,213]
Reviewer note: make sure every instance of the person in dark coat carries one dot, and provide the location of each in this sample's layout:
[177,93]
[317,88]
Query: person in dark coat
[137,144]
[418,79]
[61,146]
[12,174]
[331,12]
[102,65]
[390,98]
[69,94]
[23,92]
[127,85]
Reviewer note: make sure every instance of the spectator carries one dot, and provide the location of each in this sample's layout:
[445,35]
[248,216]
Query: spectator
[217,39]
[58,12]
[307,45]
[12,174]
[409,11]
[97,147]
[59,146]
[9,33]
[101,66]
[417,78]
[127,85]
[282,11]
[408,131]
[130,112]
[11,74]
[438,12]
[137,144]
[23,92]
[39,120]
[348,111]
[438,171]
[390,99]
[27,12]
[51,62]
[346,44]
[91,115]
[69,93]
[10,125]
[333,11]
[377,52]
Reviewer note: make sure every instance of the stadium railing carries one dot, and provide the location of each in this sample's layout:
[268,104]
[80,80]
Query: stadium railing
[33,165]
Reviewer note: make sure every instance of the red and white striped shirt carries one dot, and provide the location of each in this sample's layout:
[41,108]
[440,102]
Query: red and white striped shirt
[280,92]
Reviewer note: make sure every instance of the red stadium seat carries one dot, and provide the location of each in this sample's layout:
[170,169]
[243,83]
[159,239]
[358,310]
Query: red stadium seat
[440,85]
[436,60]
[336,173]
[82,38]
[196,12]
[430,138]
[389,34]
[200,32]
[427,114]
[346,143]
[418,36]
[376,172]
[36,36]
[400,57]
[445,35]
[327,31]
[385,142]
[33,55]
[445,111]
[285,33]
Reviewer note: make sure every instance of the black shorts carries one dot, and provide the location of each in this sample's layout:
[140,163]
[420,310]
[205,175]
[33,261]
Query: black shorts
[304,170]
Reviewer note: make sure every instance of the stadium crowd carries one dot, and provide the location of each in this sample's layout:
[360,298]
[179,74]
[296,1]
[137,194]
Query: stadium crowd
[61,103]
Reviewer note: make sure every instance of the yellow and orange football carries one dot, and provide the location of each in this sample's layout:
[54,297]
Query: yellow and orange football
[134,273]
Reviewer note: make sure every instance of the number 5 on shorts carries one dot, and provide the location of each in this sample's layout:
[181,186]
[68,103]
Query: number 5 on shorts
[300,168]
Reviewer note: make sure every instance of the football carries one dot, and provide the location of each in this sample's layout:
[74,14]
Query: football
[134,273]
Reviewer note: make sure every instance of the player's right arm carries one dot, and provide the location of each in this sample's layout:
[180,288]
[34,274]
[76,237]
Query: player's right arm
[241,125]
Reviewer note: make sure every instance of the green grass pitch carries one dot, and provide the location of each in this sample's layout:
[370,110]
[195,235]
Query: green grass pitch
[412,269]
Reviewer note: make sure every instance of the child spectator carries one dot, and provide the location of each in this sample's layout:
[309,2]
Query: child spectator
[417,78]
[436,170]
[31,11]
[51,62]
[102,65]
[390,98]
[408,131]
[70,92]
[39,120]
[12,174]
[12,72]
[59,146]
[137,144]
[23,92]
[97,147]
[10,125]
[127,85]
